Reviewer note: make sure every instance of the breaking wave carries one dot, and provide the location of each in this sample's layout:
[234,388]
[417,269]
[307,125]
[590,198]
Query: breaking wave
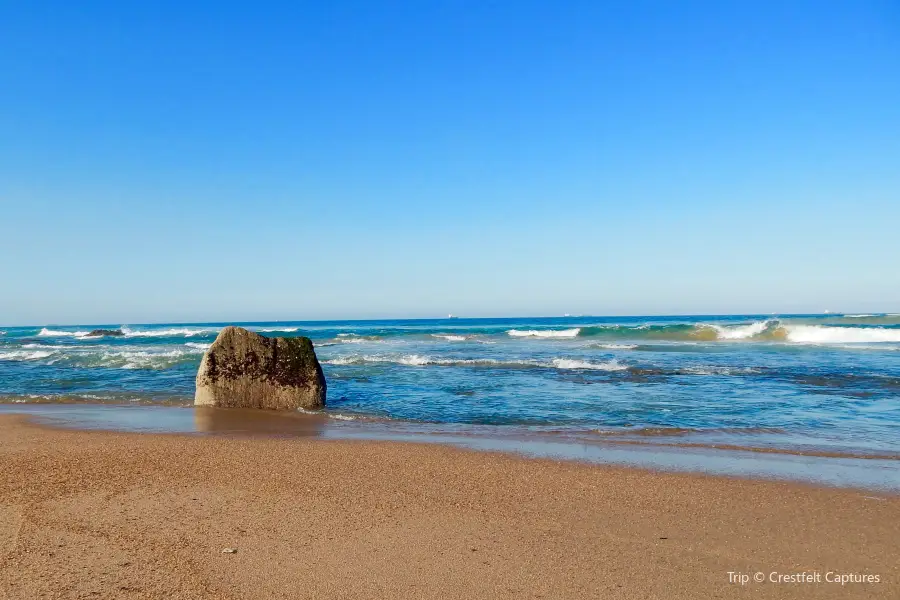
[171,332]
[417,360]
[106,356]
[771,330]
[819,334]
[740,332]
[545,333]
[45,332]
[26,355]
[568,363]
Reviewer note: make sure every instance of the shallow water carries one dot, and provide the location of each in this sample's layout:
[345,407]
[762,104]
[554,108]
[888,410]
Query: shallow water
[866,473]
[805,383]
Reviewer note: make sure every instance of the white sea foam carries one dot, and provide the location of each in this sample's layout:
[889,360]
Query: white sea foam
[450,338]
[569,363]
[341,417]
[24,355]
[545,333]
[818,334]
[858,316]
[171,332]
[417,360]
[739,332]
[412,360]
[615,346]
[198,345]
[282,329]
[719,370]
[57,333]
[143,359]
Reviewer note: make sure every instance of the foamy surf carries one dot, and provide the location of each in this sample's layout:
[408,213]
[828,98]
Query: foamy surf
[45,332]
[26,355]
[615,346]
[449,337]
[568,363]
[819,334]
[417,360]
[545,333]
[170,332]
[739,332]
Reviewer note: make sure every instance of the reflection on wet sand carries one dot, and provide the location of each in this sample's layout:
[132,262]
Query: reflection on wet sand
[246,421]
[847,471]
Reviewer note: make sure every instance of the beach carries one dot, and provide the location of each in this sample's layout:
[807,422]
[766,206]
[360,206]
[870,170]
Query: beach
[94,514]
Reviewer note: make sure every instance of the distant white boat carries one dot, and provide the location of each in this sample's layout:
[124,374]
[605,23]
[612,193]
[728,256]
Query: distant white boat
[452,316]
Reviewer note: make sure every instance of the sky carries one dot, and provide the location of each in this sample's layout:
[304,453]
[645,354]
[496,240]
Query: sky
[215,161]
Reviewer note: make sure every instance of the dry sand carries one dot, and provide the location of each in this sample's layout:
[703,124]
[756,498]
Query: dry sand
[108,515]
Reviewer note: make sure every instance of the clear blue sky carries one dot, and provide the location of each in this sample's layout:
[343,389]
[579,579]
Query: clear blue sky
[185,161]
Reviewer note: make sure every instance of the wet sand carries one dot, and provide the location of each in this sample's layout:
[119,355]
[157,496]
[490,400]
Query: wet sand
[125,515]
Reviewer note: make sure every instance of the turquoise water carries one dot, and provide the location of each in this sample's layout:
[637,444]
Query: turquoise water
[825,383]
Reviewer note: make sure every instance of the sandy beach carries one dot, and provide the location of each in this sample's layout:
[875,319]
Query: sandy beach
[112,515]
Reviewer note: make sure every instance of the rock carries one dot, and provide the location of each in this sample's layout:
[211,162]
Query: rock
[243,369]
[105,332]
[229,550]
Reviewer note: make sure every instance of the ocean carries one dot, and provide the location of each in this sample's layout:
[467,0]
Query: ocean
[818,384]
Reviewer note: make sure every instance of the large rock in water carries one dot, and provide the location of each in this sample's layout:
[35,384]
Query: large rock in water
[243,369]
[106,332]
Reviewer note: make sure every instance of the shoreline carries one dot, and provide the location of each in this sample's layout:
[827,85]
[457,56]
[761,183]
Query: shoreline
[652,436]
[653,452]
[148,515]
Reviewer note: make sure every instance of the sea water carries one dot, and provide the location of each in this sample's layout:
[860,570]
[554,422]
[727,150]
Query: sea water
[827,384]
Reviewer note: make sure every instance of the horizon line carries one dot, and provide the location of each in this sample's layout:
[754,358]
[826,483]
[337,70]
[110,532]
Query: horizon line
[452,317]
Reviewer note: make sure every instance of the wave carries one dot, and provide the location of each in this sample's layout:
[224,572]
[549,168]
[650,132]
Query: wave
[568,363]
[416,360]
[357,339]
[695,332]
[450,337]
[616,346]
[740,332]
[18,355]
[771,330]
[171,332]
[561,364]
[141,359]
[131,333]
[45,332]
[199,345]
[820,334]
[45,346]
[99,356]
[716,370]
[274,329]
[545,333]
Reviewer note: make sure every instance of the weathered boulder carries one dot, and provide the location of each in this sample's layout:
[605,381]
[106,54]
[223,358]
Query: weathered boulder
[243,369]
